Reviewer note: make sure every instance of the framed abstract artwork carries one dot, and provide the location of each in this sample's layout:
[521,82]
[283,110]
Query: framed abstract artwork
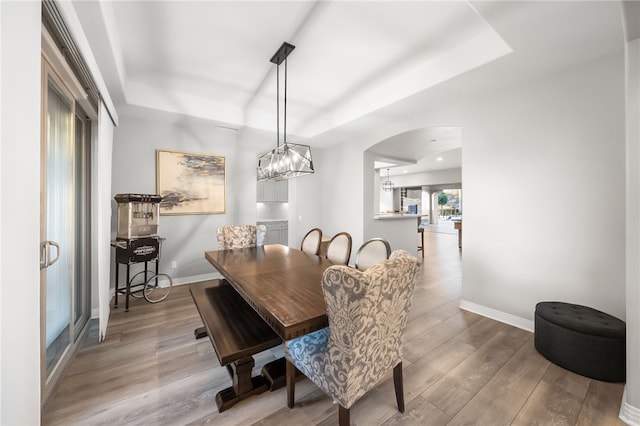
[191,182]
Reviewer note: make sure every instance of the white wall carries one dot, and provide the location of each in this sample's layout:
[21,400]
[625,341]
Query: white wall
[436,177]
[339,185]
[20,220]
[555,141]
[630,410]
[553,151]
[305,201]
[1,203]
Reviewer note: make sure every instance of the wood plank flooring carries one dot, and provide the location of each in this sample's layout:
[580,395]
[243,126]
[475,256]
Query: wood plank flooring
[459,369]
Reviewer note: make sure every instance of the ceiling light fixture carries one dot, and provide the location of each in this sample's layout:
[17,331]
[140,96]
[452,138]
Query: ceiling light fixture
[286,160]
[439,159]
[387,185]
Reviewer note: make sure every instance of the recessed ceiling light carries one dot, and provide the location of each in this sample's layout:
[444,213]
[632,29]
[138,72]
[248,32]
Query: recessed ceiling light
[439,159]
[434,140]
[404,171]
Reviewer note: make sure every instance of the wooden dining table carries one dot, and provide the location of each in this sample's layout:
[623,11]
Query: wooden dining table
[269,294]
[282,284]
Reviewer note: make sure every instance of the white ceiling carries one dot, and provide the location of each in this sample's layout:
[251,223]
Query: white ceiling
[435,148]
[353,59]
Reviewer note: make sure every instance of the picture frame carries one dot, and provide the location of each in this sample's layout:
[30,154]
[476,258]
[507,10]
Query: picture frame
[191,182]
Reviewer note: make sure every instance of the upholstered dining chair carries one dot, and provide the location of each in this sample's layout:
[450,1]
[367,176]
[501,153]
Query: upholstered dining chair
[367,313]
[311,241]
[371,252]
[339,248]
[241,236]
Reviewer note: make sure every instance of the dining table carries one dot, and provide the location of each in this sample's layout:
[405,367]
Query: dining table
[282,284]
[269,294]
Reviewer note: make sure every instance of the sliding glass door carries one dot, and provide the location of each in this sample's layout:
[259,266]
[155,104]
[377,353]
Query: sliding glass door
[65,242]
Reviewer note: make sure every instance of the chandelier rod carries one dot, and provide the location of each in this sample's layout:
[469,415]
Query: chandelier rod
[278,105]
[285,100]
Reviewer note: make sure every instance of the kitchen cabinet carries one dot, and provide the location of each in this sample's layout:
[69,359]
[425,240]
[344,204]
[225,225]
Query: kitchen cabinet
[277,232]
[272,191]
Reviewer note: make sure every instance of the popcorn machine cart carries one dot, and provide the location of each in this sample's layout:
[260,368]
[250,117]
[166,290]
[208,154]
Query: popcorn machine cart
[137,241]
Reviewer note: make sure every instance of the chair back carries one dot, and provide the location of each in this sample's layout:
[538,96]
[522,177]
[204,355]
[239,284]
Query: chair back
[311,242]
[367,314]
[241,236]
[371,252]
[339,249]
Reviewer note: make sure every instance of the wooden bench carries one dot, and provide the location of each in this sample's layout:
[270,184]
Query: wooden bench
[237,332]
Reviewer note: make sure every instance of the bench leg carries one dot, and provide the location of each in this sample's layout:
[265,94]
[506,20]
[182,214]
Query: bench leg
[244,385]
[200,332]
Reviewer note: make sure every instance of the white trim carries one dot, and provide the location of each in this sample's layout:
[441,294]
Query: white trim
[103,156]
[1,210]
[628,413]
[68,12]
[195,278]
[494,314]
[59,64]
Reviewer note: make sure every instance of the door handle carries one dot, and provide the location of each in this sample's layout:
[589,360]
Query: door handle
[45,260]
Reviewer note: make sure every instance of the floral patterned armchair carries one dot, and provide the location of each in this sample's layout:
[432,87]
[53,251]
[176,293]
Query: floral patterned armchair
[241,236]
[367,314]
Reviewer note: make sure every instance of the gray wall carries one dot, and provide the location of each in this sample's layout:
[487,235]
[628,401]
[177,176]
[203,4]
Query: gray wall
[140,133]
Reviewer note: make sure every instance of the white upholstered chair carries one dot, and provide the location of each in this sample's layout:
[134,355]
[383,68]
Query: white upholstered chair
[367,313]
[371,252]
[339,249]
[241,236]
[311,242]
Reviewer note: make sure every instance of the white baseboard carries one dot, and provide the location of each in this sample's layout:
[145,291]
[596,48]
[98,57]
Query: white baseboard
[504,317]
[196,278]
[628,413]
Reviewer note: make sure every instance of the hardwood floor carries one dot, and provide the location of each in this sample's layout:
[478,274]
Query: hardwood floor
[459,369]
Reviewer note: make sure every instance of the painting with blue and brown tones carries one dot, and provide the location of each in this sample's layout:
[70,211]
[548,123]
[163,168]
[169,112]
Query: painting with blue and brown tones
[191,183]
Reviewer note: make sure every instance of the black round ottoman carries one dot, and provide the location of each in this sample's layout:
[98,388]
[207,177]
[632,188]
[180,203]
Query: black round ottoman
[581,339]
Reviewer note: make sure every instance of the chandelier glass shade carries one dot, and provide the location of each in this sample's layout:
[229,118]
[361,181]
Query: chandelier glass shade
[286,160]
[387,185]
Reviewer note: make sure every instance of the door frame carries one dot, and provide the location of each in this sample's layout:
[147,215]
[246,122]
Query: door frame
[48,382]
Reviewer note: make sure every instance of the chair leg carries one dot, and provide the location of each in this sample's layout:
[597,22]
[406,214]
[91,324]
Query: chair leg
[343,416]
[397,381]
[291,383]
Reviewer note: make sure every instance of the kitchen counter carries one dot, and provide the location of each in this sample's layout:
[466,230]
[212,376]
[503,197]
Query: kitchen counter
[401,230]
[392,216]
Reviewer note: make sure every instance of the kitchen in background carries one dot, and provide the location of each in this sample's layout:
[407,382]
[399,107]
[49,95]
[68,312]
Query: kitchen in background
[273,210]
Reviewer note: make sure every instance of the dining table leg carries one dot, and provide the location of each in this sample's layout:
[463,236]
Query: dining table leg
[243,386]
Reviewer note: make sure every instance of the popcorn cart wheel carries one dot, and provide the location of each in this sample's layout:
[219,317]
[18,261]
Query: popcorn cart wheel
[156,287]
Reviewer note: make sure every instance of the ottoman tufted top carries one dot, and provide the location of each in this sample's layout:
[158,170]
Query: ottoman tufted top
[581,319]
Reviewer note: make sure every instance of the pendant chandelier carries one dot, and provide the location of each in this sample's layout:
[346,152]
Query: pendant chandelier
[387,185]
[286,160]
